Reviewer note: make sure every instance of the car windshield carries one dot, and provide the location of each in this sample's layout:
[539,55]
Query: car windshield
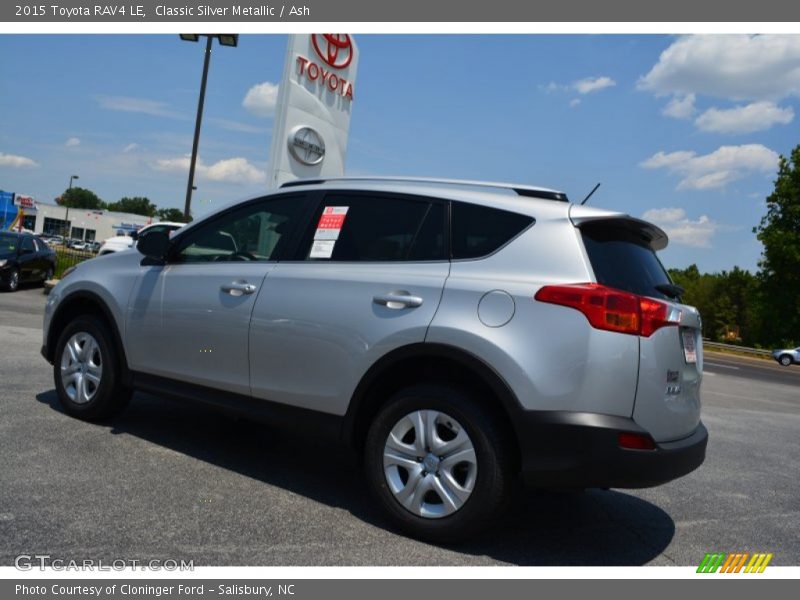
[8,243]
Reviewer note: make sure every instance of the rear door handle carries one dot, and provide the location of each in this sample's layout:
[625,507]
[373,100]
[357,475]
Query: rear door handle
[398,300]
[238,288]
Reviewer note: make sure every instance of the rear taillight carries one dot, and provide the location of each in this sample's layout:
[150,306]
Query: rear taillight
[611,309]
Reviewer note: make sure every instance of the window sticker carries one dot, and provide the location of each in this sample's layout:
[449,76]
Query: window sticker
[330,223]
[322,249]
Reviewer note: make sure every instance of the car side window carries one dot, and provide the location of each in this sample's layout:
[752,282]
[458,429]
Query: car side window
[374,228]
[251,233]
[480,230]
[27,244]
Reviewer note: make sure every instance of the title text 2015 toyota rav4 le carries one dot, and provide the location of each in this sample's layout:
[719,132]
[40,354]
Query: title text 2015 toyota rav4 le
[457,334]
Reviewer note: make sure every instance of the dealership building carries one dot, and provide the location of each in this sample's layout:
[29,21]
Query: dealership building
[81,223]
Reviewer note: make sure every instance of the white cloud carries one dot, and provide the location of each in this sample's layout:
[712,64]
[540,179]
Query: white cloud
[237,126]
[130,148]
[16,162]
[138,105]
[716,169]
[72,142]
[230,170]
[592,84]
[757,116]
[680,107]
[738,67]
[681,229]
[574,102]
[261,99]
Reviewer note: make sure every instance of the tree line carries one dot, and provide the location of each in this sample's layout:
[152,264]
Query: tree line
[78,197]
[761,309]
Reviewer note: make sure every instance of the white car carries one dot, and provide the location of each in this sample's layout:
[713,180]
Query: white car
[123,242]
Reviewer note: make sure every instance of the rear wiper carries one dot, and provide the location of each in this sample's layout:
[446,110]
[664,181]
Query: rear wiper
[670,289]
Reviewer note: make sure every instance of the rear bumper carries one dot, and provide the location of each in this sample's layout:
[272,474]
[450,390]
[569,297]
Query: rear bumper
[569,449]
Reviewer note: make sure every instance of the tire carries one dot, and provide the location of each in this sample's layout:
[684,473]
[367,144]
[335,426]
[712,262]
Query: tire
[487,476]
[98,394]
[785,360]
[12,283]
[48,274]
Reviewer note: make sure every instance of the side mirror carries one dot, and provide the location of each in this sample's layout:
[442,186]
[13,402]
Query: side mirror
[154,245]
[134,235]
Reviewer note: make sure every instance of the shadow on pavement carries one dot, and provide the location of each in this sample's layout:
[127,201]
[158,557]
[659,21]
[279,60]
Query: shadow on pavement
[539,528]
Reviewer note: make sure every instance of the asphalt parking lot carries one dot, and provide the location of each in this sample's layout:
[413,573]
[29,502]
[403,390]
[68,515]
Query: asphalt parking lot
[167,481]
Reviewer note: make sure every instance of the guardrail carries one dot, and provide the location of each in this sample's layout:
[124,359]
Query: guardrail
[743,349]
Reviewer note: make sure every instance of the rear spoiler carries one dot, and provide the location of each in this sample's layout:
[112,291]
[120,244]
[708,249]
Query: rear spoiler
[654,236]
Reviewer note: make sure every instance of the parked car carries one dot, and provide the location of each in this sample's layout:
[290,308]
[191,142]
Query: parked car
[787,357]
[24,258]
[456,335]
[53,240]
[124,242]
[94,247]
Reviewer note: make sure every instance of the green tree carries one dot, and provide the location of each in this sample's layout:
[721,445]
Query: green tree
[78,197]
[727,301]
[137,206]
[779,232]
[171,214]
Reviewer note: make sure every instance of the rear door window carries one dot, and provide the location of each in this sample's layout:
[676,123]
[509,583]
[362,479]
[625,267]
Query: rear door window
[356,227]
[624,261]
[479,230]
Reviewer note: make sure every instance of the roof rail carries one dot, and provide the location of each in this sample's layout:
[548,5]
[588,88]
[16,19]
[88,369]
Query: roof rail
[522,190]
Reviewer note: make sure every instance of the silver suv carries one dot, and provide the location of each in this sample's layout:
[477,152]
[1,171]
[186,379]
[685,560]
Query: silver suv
[458,335]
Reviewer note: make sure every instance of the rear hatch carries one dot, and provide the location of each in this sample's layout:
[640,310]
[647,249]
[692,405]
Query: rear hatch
[621,251]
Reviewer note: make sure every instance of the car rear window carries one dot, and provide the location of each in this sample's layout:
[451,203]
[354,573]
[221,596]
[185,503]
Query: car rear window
[479,230]
[624,261]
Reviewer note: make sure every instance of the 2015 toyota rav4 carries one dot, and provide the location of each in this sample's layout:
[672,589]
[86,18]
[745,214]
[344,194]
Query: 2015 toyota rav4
[457,334]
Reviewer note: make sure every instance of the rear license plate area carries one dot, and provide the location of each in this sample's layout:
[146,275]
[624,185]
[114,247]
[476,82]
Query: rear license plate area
[689,345]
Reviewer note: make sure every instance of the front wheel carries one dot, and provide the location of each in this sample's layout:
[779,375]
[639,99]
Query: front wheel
[785,360]
[87,371]
[12,281]
[439,462]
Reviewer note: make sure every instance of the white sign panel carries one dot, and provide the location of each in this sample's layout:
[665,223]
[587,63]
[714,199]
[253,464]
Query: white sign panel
[24,201]
[315,99]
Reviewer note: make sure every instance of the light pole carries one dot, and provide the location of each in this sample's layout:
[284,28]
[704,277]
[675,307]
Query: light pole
[66,217]
[225,39]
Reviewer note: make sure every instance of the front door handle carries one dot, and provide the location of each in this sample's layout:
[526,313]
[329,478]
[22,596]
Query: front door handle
[398,300]
[238,288]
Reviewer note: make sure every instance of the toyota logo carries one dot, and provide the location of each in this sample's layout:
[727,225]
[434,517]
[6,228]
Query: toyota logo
[307,145]
[336,49]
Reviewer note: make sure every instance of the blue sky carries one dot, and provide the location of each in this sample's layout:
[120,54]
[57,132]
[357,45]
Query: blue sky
[682,130]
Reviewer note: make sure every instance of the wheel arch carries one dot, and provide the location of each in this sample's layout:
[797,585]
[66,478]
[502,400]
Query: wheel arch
[85,302]
[424,362]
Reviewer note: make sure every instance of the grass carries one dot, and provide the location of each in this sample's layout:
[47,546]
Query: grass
[66,258]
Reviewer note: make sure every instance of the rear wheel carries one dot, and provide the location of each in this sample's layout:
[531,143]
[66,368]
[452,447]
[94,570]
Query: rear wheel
[438,462]
[87,371]
[785,360]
